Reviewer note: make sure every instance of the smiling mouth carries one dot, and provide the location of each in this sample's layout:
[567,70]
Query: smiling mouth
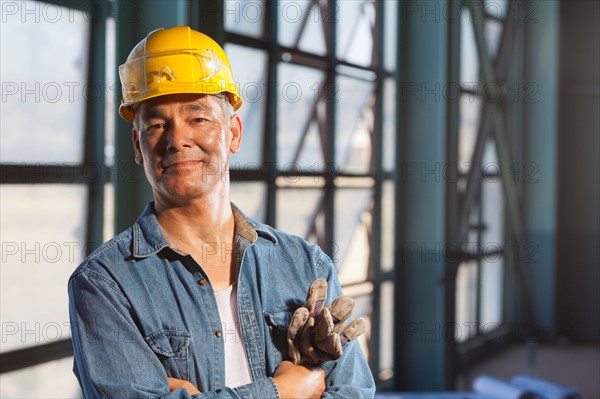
[182,165]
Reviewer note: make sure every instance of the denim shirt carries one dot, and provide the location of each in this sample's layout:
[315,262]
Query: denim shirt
[141,312]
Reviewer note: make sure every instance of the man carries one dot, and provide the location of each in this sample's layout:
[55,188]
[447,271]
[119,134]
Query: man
[196,298]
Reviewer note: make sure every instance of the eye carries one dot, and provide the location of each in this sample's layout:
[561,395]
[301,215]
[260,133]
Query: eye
[199,120]
[156,127]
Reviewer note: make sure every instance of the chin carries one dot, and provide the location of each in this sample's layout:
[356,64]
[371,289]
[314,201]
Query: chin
[187,192]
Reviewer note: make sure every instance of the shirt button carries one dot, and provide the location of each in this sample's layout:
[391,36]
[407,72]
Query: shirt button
[218,334]
[202,281]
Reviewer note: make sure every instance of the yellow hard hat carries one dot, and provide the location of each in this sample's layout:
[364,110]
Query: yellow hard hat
[173,61]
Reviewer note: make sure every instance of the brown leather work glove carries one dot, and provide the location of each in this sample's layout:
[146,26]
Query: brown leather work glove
[317,334]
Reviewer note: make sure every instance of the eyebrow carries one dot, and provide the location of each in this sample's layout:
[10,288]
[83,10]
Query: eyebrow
[190,108]
[195,107]
[152,113]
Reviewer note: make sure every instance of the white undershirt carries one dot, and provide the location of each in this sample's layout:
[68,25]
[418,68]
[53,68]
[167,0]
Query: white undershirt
[236,364]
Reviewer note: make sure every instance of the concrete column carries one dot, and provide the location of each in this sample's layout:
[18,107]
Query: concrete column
[538,169]
[420,330]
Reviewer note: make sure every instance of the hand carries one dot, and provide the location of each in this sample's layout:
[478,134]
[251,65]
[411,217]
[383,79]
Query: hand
[317,334]
[174,384]
[299,381]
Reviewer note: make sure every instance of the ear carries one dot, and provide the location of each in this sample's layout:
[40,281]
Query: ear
[236,128]
[136,147]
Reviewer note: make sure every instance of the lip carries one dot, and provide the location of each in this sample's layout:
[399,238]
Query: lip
[190,163]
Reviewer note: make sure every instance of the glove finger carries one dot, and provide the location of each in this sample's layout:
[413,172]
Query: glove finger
[341,308]
[317,294]
[312,355]
[299,319]
[352,330]
[304,343]
[331,345]
[324,338]
[323,325]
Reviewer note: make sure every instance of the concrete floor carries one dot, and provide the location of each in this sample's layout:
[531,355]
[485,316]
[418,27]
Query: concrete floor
[573,366]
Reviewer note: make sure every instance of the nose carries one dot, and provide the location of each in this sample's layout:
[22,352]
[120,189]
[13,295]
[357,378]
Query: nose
[179,138]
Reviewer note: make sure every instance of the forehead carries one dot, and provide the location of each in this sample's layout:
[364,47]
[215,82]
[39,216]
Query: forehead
[179,102]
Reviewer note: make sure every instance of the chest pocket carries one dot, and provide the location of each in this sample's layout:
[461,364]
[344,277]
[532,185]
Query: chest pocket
[171,348]
[278,321]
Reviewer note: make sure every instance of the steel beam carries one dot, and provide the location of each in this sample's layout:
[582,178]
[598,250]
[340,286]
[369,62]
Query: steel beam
[510,190]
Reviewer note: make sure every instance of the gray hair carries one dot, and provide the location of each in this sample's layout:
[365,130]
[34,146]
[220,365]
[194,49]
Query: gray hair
[226,106]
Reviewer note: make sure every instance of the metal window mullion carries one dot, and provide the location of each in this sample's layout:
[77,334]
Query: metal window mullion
[330,101]
[377,162]
[54,173]
[94,129]
[32,356]
[270,136]
[247,41]
[515,115]
[452,227]
[478,263]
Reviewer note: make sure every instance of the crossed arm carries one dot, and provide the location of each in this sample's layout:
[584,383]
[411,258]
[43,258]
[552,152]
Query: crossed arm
[127,366]
[292,382]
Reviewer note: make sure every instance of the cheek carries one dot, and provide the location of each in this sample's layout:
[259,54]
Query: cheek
[150,145]
[215,140]
[149,154]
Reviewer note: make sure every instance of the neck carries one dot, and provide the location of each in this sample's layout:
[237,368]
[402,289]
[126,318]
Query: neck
[195,224]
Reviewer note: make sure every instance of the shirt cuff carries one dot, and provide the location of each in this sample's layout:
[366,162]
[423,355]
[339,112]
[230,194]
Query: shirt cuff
[265,388]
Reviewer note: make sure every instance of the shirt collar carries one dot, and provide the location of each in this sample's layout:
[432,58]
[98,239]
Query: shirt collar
[148,238]
[248,225]
[243,228]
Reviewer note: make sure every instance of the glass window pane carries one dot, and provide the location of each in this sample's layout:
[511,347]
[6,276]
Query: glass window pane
[363,306]
[386,334]
[390,39]
[354,32]
[250,197]
[353,124]
[298,140]
[43,231]
[44,92]
[108,229]
[53,379]
[112,93]
[492,207]
[492,282]
[490,159]
[492,33]
[389,124]
[469,117]
[297,210]
[466,301]
[387,226]
[352,223]
[250,77]
[301,26]
[245,17]
[496,8]
[469,63]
